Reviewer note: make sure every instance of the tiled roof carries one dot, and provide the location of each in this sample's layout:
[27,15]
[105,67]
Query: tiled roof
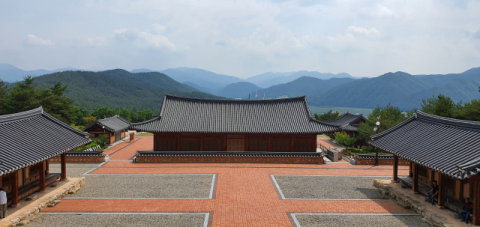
[112,124]
[30,137]
[373,156]
[447,145]
[347,121]
[181,114]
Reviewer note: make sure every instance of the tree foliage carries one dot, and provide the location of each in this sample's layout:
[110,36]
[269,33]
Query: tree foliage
[389,117]
[442,106]
[344,139]
[328,116]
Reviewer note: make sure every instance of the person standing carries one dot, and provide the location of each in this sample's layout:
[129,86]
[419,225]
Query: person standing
[3,203]
[432,194]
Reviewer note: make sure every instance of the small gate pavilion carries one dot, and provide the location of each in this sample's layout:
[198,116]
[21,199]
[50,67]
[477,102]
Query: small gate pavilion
[113,128]
[443,149]
[27,141]
[278,125]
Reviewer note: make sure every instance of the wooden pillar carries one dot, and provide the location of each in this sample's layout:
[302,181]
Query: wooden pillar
[42,176]
[63,166]
[178,142]
[476,202]
[458,189]
[410,170]
[269,145]
[47,167]
[224,145]
[395,168]
[201,142]
[247,143]
[292,148]
[441,188]
[14,188]
[415,177]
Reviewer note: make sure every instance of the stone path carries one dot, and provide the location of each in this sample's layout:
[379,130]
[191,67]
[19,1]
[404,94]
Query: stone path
[244,194]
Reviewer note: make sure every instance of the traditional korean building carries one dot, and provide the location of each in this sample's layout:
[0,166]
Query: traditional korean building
[349,122]
[278,125]
[27,141]
[443,149]
[114,128]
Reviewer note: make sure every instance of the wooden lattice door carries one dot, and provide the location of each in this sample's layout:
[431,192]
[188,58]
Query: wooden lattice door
[235,145]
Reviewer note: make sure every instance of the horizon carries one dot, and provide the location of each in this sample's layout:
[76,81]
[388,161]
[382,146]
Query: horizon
[244,39]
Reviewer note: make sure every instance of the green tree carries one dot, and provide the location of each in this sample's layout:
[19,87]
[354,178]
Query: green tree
[471,110]
[442,106]
[89,120]
[344,139]
[22,97]
[3,97]
[125,113]
[102,140]
[80,114]
[389,117]
[103,112]
[328,116]
[57,104]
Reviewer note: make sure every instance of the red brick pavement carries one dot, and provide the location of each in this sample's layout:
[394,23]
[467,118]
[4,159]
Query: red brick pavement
[245,194]
[129,149]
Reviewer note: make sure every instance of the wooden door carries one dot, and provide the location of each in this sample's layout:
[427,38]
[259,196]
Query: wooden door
[235,145]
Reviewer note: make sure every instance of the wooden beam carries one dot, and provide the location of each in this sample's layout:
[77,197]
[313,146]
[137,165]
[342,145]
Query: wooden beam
[476,203]
[395,168]
[410,170]
[42,176]
[441,188]
[415,177]
[63,166]
[14,187]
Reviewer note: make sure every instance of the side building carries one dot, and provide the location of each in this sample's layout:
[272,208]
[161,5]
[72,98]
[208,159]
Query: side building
[279,125]
[114,128]
[28,140]
[440,149]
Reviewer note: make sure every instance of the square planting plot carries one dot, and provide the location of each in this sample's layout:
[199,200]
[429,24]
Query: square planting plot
[326,187]
[124,219]
[148,186]
[315,220]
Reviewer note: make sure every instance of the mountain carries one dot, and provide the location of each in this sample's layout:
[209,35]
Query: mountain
[237,90]
[92,90]
[304,85]
[203,78]
[142,71]
[402,90]
[269,79]
[10,73]
[155,79]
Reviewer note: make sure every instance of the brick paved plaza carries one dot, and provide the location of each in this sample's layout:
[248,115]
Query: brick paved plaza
[122,193]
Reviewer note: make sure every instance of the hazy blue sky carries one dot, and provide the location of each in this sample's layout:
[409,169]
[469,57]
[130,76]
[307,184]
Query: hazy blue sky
[244,38]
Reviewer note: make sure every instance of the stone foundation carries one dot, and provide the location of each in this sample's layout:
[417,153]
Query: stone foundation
[25,217]
[233,159]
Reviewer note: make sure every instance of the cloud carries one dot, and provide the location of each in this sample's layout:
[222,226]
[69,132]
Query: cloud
[98,41]
[355,30]
[158,28]
[37,41]
[157,41]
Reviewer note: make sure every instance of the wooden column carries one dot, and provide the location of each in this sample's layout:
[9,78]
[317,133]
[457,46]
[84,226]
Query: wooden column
[178,142]
[14,188]
[47,167]
[201,142]
[441,188]
[269,145]
[42,176]
[292,148]
[63,166]
[415,177]
[410,170]
[476,202]
[395,168]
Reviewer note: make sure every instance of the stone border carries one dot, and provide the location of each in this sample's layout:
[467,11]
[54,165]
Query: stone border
[206,223]
[25,217]
[295,222]
[409,203]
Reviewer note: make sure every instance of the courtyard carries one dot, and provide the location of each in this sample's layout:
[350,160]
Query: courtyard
[122,193]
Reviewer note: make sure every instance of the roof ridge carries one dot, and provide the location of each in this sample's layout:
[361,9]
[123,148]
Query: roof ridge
[299,98]
[447,120]
[21,115]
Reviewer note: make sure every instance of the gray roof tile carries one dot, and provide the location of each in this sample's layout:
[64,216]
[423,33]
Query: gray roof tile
[112,124]
[446,145]
[33,136]
[180,114]
[347,121]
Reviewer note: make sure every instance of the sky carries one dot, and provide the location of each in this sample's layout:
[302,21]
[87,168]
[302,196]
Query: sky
[244,38]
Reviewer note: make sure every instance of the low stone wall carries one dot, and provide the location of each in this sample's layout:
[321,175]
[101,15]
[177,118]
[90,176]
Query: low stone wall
[410,203]
[25,217]
[229,157]
[81,157]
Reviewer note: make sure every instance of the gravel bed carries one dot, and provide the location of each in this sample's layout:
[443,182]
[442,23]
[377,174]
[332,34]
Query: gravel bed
[146,186]
[62,220]
[328,187]
[360,220]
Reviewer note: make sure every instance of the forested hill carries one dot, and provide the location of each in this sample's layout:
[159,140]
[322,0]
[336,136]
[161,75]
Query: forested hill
[93,90]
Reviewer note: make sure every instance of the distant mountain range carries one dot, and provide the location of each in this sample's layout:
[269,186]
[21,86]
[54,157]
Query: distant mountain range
[10,73]
[119,88]
[143,88]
